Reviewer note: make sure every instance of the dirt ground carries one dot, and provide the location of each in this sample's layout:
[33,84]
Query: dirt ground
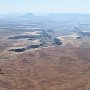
[53,68]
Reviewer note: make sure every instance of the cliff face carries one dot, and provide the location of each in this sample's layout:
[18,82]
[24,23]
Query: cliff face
[84,33]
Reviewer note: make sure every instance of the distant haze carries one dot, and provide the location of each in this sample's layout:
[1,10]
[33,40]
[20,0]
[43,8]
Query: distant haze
[44,6]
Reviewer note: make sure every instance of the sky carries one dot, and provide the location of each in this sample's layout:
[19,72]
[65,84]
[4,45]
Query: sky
[44,6]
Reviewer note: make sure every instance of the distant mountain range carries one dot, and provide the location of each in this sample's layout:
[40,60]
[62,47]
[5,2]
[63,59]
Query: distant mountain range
[51,17]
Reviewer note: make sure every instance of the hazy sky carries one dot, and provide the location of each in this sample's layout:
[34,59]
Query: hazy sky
[45,6]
